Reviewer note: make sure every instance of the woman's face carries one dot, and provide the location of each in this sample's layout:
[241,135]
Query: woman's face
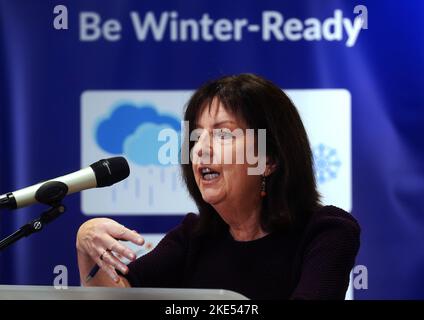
[220,172]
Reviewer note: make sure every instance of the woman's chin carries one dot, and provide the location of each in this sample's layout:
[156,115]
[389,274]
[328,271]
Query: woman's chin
[211,198]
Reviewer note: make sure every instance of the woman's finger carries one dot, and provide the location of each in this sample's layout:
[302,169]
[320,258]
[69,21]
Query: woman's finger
[119,248]
[110,259]
[108,269]
[111,272]
[105,259]
[118,231]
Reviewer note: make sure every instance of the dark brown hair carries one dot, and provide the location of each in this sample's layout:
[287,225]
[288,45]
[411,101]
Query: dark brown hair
[292,195]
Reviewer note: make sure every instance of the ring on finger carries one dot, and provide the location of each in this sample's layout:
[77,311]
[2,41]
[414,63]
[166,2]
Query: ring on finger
[103,254]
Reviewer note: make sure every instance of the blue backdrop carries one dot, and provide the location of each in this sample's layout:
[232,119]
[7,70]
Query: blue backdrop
[43,72]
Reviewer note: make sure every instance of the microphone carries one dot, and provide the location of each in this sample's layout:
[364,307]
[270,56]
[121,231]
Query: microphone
[103,173]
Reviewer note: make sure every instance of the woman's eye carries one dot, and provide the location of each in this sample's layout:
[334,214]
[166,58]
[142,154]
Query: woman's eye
[223,134]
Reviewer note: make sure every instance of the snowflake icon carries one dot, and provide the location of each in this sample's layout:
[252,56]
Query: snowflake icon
[327,163]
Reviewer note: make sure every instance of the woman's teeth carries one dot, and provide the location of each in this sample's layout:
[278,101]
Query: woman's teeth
[211,176]
[208,174]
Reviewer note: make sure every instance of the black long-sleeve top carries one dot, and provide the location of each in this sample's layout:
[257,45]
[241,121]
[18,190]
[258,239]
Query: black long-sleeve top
[313,263]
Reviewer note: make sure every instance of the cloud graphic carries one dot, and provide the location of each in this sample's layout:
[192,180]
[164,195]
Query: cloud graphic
[143,146]
[113,131]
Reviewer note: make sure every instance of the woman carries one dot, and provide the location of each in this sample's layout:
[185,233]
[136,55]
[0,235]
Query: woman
[263,235]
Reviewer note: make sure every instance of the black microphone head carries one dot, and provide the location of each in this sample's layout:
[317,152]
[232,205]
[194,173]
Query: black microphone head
[110,171]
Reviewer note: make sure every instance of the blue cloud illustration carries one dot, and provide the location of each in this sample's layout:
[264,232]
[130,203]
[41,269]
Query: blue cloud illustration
[143,146]
[112,132]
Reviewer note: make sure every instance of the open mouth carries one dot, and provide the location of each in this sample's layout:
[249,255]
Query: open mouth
[208,174]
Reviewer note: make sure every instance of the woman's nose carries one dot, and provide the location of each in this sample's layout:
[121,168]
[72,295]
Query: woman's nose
[204,146]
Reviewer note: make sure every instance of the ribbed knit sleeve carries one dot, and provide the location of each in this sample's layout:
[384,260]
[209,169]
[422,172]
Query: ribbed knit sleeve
[164,265]
[330,246]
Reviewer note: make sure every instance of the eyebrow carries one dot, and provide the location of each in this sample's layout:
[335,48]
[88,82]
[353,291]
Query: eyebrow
[219,123]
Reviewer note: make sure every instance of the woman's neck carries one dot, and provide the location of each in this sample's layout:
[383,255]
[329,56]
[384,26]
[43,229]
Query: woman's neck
[246,231]
[244,225]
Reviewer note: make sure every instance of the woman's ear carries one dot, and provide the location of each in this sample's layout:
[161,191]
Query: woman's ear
[271,165]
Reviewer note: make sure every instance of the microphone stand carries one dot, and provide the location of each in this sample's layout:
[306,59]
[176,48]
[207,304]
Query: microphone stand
[33,226]
[50,193]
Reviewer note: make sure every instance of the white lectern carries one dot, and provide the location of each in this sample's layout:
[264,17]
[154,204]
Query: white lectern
[101,293]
